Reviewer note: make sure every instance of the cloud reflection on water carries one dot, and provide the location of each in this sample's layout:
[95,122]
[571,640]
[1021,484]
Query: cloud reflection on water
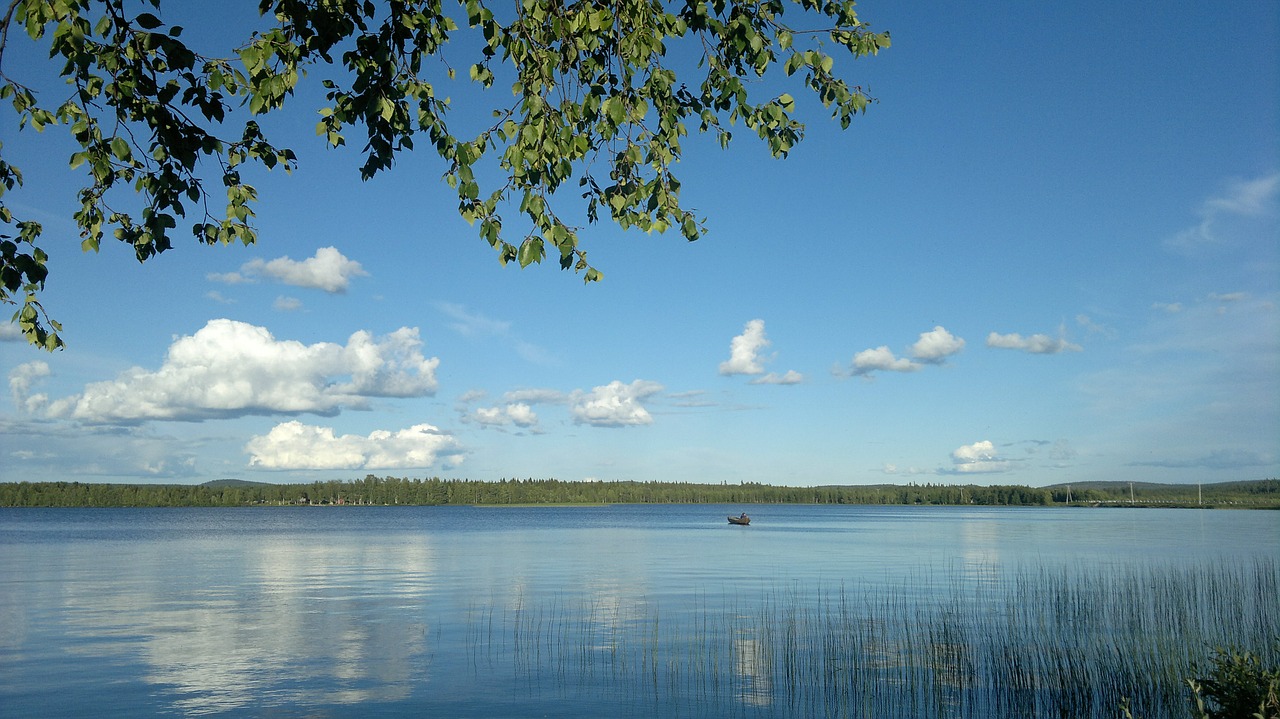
[343,624]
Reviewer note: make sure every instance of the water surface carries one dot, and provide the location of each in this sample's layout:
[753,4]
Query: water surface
[472,612]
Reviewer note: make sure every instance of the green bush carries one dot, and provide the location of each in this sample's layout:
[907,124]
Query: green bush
[1238,687]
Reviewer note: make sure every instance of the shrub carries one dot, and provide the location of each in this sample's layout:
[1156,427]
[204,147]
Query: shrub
[1238,687]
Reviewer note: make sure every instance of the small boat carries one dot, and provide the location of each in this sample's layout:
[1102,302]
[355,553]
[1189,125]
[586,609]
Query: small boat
[740,519]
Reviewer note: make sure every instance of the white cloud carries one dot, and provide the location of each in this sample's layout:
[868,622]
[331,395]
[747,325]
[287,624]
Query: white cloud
[1241,199]
[744,357]
[519,414]
[1035,344]
[614,405]
[889,468]
[21,379]
[1169,307]
[881,359]
[978,458]
[536,396]
[327,270]
[977,452]
[64,449]
[10,332]
[293,445]
[789,377]
[744,351]
[472,395]
[489,416]
[522,415]
[287,304]
[933,347]
[232,369]
[228,278]
[936,345]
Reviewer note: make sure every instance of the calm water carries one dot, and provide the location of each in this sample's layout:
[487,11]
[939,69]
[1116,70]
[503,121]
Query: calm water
[477,612]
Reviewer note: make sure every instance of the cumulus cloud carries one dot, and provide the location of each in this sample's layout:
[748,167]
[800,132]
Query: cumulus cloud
[232,369]
[978,458]
[294,445]
[517,413]
[933,347]
[22,379]
[10,332]
[521,415]
[327,270]
[881,359]
[1035,344]
[614,405]
[1241,199]
[744,351]
[745,359]
[936,345]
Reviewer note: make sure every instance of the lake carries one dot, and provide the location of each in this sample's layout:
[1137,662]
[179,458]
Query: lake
[630,610]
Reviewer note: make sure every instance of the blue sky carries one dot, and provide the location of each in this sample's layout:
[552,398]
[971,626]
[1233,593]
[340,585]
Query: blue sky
[1048,254]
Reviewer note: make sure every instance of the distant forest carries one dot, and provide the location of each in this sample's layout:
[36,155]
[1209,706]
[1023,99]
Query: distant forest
[435,491]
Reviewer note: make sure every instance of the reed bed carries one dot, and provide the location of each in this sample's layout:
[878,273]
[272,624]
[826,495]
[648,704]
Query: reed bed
[1031,642]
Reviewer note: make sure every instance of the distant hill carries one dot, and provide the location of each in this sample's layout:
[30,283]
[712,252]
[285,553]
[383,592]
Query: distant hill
[222,483]
[1252,485]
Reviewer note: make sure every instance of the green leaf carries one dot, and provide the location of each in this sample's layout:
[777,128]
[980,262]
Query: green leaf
[120,148]
[147,21]
[615,109]
[531,251]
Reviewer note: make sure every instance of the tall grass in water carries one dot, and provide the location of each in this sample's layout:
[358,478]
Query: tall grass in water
[1035,642]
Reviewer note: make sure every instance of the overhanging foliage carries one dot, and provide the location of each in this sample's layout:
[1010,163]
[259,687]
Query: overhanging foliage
[596,95]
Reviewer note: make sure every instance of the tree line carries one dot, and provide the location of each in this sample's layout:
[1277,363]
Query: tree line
[434,491]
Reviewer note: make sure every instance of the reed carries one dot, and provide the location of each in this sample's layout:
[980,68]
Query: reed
[1033,642]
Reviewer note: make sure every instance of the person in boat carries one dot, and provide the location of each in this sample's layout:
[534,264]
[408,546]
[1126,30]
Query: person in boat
[742,516]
